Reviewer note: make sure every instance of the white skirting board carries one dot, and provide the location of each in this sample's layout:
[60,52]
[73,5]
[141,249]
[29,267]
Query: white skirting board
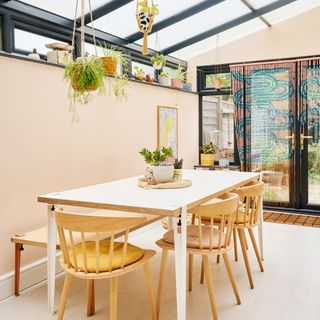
[36,272]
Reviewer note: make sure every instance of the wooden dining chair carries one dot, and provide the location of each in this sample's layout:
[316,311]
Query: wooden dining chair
[205,240]
[94,259]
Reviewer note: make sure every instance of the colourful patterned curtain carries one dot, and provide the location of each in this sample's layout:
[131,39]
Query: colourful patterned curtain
[264,98]
[309,97]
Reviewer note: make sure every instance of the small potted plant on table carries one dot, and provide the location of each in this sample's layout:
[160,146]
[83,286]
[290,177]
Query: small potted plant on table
[177,173]
[164,78]
[207,154]
[159,165]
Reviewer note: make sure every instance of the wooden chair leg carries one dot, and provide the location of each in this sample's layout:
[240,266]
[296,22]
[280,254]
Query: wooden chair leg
[148,278]
[63,302]
[218,258]
[17,263]
[190,271]
[245,240]
[233,283]
[245,256]
[90,298]
[164,257]
[235,244]
[256,250]
[202,273]
[113,297]
[209,281]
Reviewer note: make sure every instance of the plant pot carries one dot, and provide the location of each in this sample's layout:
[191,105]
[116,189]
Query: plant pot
[162,174]
[164,81]
[217,83]
[148,174]
[187,86]
[177,175]
[207,159]
[34,56]
[75,87]
[139,77]
[176,83]
[224,162]
[157,66]
[150,78]
[110,66]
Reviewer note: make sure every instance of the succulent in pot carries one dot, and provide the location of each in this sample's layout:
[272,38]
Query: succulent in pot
[139,73]
[164,78]
[84,76]
[157,163]
[177,172]
[207,154]
[112,58]
[158,61]
[179,78]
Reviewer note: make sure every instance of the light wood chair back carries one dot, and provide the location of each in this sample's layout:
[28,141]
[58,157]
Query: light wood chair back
[224,210]
[251,197]
[92,228]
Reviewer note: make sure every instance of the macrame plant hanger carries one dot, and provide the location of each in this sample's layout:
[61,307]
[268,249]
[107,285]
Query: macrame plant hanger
[73,108]
[145,21]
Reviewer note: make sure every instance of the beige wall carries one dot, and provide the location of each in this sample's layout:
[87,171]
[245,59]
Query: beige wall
[41,151]
[292,38]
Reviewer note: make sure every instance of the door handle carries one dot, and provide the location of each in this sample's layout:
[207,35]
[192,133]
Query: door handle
[302,137]
[293,140]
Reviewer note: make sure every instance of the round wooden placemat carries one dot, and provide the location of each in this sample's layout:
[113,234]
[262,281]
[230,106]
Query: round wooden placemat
[184,183]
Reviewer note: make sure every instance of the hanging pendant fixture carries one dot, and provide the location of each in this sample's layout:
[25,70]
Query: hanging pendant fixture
[145,14]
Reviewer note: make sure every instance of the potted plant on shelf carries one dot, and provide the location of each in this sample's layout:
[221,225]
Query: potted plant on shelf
[112,58]
[139,74]
[177,172]
[150,78]
[158,166]
[219,81]
[159,61]
[164,78]
[207,154]
[84,76]
[180,77]
[145,15]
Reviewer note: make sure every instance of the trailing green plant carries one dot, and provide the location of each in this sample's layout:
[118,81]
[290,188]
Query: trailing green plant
[209,148]
[164,74]
[158,60]
[181,74]
[178,163]
[153,9]
[119,87]
[156,157]
[84,76]
[116,55]
[139,71]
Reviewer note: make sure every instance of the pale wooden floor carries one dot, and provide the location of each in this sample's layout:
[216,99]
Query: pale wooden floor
[288,289]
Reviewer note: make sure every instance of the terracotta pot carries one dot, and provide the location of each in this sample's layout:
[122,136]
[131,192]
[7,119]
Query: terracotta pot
[207,159]
[217,83]
[150,78]
[176,83]
[110,66]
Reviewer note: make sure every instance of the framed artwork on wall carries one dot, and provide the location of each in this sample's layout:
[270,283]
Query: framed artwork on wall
[168,128]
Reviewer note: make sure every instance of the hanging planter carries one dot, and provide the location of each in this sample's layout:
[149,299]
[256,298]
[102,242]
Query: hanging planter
[85,74]
[145,16]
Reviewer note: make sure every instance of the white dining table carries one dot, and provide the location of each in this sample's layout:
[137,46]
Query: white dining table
[126,195]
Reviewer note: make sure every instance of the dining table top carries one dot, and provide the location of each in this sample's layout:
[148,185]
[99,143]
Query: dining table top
[126,195]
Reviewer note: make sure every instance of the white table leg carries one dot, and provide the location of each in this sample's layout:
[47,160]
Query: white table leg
[51,256]
[180,250]
[260,231]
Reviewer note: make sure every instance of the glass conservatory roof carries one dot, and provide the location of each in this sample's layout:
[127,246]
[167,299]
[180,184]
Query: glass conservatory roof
[184,28]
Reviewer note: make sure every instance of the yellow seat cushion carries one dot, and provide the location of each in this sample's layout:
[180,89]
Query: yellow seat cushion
[241,217]
[133,254]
